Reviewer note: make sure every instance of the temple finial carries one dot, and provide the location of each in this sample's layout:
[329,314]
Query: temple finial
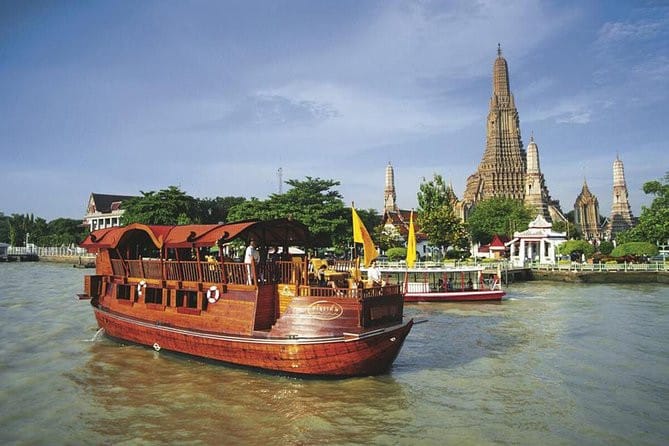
[499,49]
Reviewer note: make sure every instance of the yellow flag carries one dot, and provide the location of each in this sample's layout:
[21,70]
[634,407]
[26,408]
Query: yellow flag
[411,244]
[360,235]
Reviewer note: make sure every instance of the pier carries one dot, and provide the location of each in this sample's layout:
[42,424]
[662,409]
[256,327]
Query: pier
[78,257]
[576,272]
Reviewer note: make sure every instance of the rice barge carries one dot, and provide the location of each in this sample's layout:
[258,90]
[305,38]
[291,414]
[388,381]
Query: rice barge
[171,287]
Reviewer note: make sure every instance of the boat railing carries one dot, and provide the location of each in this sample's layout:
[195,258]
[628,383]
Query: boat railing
[172,270]
[344,266]
[210,271]
[118,267]
[152,269]
[192,271]
[238,273]
[315,291]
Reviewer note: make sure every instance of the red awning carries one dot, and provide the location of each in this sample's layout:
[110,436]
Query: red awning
[109,238]
[282,232]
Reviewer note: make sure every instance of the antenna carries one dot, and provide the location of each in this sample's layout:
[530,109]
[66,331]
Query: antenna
[279,174]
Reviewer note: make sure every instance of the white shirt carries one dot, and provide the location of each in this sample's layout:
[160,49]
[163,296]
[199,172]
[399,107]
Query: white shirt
[251,254]
[374,273]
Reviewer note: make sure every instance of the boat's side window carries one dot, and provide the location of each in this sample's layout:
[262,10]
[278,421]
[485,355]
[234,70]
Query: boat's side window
[186,299]
[123,292]
[153,296]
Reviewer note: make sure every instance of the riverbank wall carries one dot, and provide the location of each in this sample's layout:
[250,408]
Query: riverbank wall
[77,261]
[601,276]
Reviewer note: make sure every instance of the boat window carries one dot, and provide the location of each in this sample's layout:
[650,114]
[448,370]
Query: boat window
[153,296]
[123,292]
[186,299]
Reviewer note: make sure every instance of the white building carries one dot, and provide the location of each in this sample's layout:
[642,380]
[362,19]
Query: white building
[104,211]
[538,243]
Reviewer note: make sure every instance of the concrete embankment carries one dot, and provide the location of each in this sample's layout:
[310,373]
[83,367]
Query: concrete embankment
[79,261]
[602,276]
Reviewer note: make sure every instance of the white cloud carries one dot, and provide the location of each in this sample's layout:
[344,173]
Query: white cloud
[615,32]
[570,110]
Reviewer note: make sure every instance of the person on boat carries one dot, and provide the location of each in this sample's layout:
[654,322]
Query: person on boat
[251,256]
[470,284]
[449,284]
[374,273]
[321,275]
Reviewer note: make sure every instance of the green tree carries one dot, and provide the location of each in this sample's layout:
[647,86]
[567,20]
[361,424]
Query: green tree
[62,231]
[579,247]
[497,215]
[653,223]
[24,228]
[436,216]
[4,228]
[215,210]
[635,249]
[169,206]
[313,202]
[605,247]
[568,227]
[387,236]
[396,254]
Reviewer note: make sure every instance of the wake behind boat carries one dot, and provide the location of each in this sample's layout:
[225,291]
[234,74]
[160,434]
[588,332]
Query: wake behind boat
[172,288]
[444,284]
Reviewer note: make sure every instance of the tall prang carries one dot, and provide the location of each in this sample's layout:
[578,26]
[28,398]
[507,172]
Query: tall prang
[621,214]
[389,195]
[537,196]
[586,214]
[501,172]
[535,187]
[506,169]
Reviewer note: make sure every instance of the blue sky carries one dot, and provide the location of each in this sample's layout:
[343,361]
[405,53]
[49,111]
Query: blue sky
[122,96]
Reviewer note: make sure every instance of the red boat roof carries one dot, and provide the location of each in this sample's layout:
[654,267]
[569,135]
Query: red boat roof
[280,232]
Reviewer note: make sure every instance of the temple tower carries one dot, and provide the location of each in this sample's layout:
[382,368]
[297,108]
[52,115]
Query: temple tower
[586,214]
[501,172]
[389,196]
[621,214]
[535,188]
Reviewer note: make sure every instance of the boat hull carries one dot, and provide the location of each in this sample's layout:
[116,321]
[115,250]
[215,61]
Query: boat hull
[363,354]
[456,296]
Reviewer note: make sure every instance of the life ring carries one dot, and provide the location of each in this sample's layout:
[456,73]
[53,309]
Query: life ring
[140,285]
[213,294]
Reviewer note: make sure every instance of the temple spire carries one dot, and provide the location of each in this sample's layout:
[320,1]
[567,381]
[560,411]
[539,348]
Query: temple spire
[389,195]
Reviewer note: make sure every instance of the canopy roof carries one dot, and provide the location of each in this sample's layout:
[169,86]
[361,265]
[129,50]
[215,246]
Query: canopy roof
[281,232]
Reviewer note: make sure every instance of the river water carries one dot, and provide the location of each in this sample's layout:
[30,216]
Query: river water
[555,364]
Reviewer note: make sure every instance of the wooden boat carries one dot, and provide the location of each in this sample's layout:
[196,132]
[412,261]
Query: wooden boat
[445,284]
[155,286]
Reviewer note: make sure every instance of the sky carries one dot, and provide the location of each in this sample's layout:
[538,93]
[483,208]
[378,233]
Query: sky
[230,98]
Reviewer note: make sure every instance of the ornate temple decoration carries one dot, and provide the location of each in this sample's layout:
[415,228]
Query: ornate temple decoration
[586,214]
[506,169]
[621,215]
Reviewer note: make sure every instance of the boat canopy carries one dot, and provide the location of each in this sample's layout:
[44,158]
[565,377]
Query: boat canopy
[280,232]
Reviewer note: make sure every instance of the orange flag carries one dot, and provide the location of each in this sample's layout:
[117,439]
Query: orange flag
[360,235]
[411,243]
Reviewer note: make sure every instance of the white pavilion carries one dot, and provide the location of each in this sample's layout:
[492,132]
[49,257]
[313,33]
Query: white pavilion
[538,243]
